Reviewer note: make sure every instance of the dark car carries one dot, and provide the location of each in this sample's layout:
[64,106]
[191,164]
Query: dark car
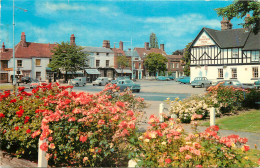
[26,79]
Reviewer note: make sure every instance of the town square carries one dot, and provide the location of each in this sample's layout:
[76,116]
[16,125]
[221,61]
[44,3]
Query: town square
[130,83]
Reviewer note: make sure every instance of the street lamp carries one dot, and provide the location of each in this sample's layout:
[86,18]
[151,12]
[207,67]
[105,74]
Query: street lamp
[14,79]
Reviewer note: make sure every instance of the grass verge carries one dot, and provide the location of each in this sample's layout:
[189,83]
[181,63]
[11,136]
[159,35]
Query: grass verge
[6,87]
[247,121]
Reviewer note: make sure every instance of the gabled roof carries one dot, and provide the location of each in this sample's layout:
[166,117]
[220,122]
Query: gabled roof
[142,51]
[253,42]
[7,54]
[39,50]
[233,38]
[96,49]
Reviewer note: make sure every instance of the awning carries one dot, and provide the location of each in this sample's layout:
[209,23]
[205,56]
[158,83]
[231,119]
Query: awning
[69,73]
[48,69]
[92,71]
[127,71]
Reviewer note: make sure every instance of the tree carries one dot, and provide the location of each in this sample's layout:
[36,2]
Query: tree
[239,9]
[122,62]
[68,58]
[177,52]
[186,59]
[155,62]
[153,41]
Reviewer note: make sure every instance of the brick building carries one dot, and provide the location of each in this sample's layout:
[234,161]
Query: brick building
[175,65]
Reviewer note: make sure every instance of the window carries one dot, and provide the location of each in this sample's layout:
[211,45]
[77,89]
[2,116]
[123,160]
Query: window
[255,72]
[167,65]
[19,63]
[220,73]
[177,65]
[97,63]
[234,52]
[173,65]
[234,73]
[38,76]
[255,56]
[107,63]
[38,62]
[140,66]
[107,54]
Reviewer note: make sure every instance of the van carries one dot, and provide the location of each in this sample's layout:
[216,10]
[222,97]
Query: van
[101,81]
[78,81]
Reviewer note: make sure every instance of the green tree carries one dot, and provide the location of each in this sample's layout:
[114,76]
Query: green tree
[239,9]
[122,62]
[68,58]
[153,41]
[186,59]
[177,52]
[155,62]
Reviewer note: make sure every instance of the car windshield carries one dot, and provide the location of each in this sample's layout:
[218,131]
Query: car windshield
[237,83]
[76,79]
[197,79]
[99,78]
[128,81]
[34,80]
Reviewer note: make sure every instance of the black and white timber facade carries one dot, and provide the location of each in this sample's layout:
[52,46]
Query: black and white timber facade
[226,54]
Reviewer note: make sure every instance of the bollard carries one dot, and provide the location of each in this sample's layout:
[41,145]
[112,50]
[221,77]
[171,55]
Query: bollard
[161,107]
[212,116]
[42,161]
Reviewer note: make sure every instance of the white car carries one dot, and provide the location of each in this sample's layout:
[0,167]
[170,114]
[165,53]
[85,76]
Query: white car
[101,81]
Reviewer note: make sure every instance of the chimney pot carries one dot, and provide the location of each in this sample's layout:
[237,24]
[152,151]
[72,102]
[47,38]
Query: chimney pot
[162,47]
[3,47]
[121,45]
[23,40]
[72,40]
[146,45]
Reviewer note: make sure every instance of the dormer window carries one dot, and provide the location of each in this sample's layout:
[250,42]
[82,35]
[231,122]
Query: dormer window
[235,53]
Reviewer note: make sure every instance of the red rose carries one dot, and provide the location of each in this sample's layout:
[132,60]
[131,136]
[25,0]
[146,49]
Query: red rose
[13,101]
[28,131]
[2,115]
[168,160]
[101,122]
[16,128]
[246,148]
[44,146]
[121,104]
[21,97]
[21,89]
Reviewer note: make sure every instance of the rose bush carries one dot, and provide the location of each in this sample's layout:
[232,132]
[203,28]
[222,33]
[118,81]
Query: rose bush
[81,129]
[167,145]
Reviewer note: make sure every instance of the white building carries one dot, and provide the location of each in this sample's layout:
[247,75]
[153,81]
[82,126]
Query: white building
[100,61]
[226,54]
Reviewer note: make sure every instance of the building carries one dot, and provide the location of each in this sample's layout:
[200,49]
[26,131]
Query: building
[100,62]
[175,65]
[5,56]
[31,59]
[142,52]
[226,54]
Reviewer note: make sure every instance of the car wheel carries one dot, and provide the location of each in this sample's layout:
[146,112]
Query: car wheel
[84,84]
[202,85]
[99,84]
[193,86]
[76,84]
[93,84]
[137,90]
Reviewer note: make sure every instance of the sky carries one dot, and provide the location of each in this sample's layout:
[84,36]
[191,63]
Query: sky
[175,23]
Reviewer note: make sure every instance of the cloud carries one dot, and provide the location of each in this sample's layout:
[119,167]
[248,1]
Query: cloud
[63,6]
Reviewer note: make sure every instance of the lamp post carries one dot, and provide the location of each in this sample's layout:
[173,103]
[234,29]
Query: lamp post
[14,79]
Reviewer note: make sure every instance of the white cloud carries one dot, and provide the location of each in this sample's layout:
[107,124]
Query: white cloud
[62,6]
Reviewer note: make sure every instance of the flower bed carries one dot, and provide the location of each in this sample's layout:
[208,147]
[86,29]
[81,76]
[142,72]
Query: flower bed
[167,145]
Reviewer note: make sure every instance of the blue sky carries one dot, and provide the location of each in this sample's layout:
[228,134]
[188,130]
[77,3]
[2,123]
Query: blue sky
[175,23]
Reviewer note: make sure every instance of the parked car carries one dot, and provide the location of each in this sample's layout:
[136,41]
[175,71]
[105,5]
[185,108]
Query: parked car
[34,83]
[163,78]
[171,77]
[101,81]
[201,82]
[78,81]
[185,79]
[120,78]
[127,83]
[234,83]
[26,79]
[179,78]
[257,84]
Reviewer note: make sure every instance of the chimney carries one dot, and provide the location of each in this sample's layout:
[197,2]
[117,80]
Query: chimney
[146,45]
[121,45]
[23,40]
[246,21]
[3,47]
[72,40]
[226,24]
[162,47]
[106,44]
